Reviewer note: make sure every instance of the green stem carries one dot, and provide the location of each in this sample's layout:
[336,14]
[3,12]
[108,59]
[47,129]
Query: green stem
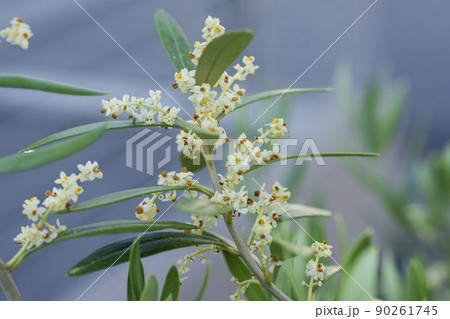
[8,285]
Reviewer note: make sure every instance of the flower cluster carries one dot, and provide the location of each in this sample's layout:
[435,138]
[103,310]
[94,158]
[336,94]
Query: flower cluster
[57,199]
[314,269]
[18,33]
[241,287]
[141,109]
[147,209]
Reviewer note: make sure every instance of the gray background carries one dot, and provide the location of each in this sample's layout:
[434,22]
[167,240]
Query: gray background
[410,36]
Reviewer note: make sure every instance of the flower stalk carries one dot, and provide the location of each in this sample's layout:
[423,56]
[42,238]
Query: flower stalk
[8,285]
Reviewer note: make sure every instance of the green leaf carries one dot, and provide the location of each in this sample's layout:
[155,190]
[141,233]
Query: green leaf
[171,286]
[136,274]
[219,54]
[271,94]
[361,243]
[204,284]
[204,207]
[25,82]
[416,284]
[24,161]
[330,271]
[150,244]
[240,271]
[174,41]
[113,227]
[349,154]
[363,284]
[88,128]
[191,164]
[150,292]
[296,211]
[390,279]
[369,114]
[129,194]
[282,250]
[342,233]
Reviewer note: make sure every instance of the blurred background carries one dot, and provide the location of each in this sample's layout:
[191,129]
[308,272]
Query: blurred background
[394,58]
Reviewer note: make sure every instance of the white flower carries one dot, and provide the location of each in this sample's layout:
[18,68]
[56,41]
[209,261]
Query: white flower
[314,270]
[322,249]
[212,29]
[277,127]
[32,210]
[147,209]
[185,79]
[204,221]
[18,33]
[169,115]
[89,171]
[57,199]
[34,236]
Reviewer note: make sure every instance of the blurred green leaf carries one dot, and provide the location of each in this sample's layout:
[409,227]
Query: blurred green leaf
[342,233]
[150,244]
[349,154]
[174,40]
[30,83]
[390,123]
[363,284]
[128,194]
[296,211]
[416,284]
[171,286]
[271,94]
[25,161]
[239,270]
[150,292]
[191,164]
[391,283]
[204,207]
[369,115]
[136,276]
[359,246]
[204,284]
[282,250]
[219,54]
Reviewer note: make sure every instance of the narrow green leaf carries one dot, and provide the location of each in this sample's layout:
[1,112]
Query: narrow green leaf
[240,271]
[193,165]
[150,292]
[150,244]
[174,40]
[219,54]
[204,284]
[30,83]
[363,284]
[296,211]
[271,94]
[361,243]
[113,227]
[344,154]
[330,271]
[24,161]
[171,286]
[342,233]
[136,274]
[88,128]
[204,207]
[391,282]
[129,194]
[416,284]
[282,250]
[130,292]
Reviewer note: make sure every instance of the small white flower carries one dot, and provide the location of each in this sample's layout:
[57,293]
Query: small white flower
[89,171]
[147,209]
[19,33]
[314,270]
[185,79]
[32,210]
[322,249]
